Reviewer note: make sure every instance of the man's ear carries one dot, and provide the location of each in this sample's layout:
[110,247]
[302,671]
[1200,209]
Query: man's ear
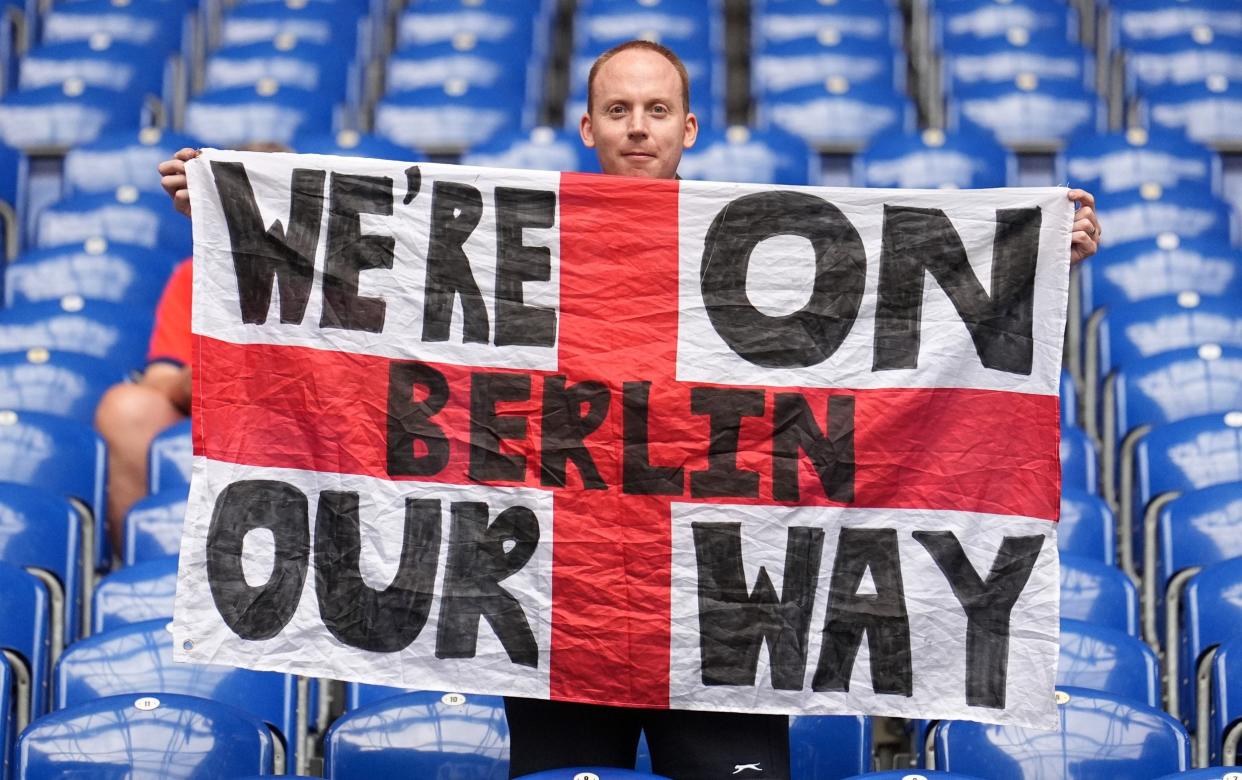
[586,131]
[692,130]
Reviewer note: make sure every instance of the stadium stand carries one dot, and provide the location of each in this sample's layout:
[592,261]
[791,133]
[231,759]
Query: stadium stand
[1138,101]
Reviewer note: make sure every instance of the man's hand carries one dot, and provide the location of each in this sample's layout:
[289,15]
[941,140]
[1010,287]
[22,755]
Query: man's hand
[172,179]
[1086,231]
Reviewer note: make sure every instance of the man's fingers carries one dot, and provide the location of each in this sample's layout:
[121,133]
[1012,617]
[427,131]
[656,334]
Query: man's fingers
[1083,197]
[186,154]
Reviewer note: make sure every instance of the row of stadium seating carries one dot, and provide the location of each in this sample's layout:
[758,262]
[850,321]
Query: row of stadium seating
[1151,457]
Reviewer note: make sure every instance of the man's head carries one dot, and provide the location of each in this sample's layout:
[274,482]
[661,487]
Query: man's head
[638,116]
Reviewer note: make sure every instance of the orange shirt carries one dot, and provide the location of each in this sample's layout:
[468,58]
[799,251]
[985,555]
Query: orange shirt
[170,338]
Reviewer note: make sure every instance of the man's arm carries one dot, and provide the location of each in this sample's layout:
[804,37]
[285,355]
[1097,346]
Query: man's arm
[172,179]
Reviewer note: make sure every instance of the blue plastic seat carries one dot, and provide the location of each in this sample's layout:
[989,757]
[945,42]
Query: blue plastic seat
[543,148]
[1105,659]
[779,22]
[1117,162]
[1211,613]
[350,143]
[678,24]
[63,116]
[807,61]
[13,165]
[25,638]
[267,112]
[8,715]
[453,117]
[114,65]
[521,25]
[1047,55]
[297,64]
[1188,211]
[61,383]
[1029,112]
[126,216]
[137,659]
[1098,593]
[153,525]
[164,737]
[1226,724]
[135,594]
[829,745]
[62,456]
[1181,59]
[98,270]
[116,333]
[337,25]
[961,21]
[1207,112]
[1087,527]
[914,774]
[41,532]
[155,24]
[1079,461]
[421,734]
[742,154]
[1206,773]
[1132,21]
[933,159]
[840,115]
[1067,399]
[170,458]
[119,159]
[603,773]
[488,65]
[1097,733]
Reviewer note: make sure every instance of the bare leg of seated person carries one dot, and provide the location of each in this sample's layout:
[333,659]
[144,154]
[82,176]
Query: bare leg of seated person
[128,418]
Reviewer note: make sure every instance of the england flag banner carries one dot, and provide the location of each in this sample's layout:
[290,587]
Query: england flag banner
[651,443]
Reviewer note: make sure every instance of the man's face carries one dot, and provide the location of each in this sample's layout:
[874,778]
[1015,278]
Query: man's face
[638,124]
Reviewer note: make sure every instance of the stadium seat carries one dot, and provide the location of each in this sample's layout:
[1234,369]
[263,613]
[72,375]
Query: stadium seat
[1045,56]
[12,180]
[1132,21]
[914,774]
[933,159]
[602,24]
[964,21]
[1212,607]
[267,112]
[151,23]
[364,695]
[1098,734]
[135,594]
[1206,773]
[1206,112]
[1097,593]
[1226,722]
[779,22]
[1127,332]
[116,333]
[8,715]
[1029,113]
[486,65]
[137,659]
[110,64]
[1188,211]
[742,154]
[170,458]
[1171,459]
[829,745]
[1181,59]
[153,525]
[449,118]
[25,638]
[41,532]
[543,148]
[838,115]
[351,143]
[1067,399]
[591,773]
[1118,162]
[420,734]
[1079,461]
[66,115]
[162,737]
[807,61]
[1087,527]
[62,456]
[1104,659]
[314,67]
[119,159]
[61,383]
[127,216]
[97,270]
[1163,388]
[337,25]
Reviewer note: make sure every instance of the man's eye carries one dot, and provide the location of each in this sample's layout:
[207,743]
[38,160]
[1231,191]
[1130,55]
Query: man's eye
[659,110]
[617,110]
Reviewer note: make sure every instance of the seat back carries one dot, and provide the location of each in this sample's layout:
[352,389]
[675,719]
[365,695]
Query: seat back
[60,383]
[122,159]
[1029,112]
[1155,267]
[135,594]
[1189,454]
[1095,730]
[153,525]
[1128,332]
[269,112]
[170,458]
[1212,603]
[1187,210]
[116,333]
[1098,593]
[1226,701]
[421,734]
[1134,21]
[933,159]
[126,215]
[1105,659]
[61,116]
[1087,527]
[1200,528]
[115,65]
[145,737]
[350,143]
[1046,55]
[1079,461]
[829,745]
[543,148]
[98,270]
[1207,111]
[842,115]
[975,21]
[742,154]
[1119,162]
[25,632]
[451,117]
[41,531]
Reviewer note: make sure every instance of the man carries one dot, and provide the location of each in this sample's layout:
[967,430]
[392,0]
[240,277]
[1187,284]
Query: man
[638,121]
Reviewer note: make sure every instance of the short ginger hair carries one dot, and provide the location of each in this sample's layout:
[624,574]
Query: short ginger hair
[663,51]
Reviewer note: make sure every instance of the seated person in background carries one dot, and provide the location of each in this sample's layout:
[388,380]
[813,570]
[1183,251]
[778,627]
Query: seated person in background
[132,413]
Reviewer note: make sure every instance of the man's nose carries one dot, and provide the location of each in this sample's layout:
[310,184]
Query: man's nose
[637,126]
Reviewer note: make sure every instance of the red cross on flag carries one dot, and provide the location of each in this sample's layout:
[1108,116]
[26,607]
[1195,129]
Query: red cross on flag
[643,443]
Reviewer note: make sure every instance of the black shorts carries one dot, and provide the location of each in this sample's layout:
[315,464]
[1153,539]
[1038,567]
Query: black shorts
[684,745]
